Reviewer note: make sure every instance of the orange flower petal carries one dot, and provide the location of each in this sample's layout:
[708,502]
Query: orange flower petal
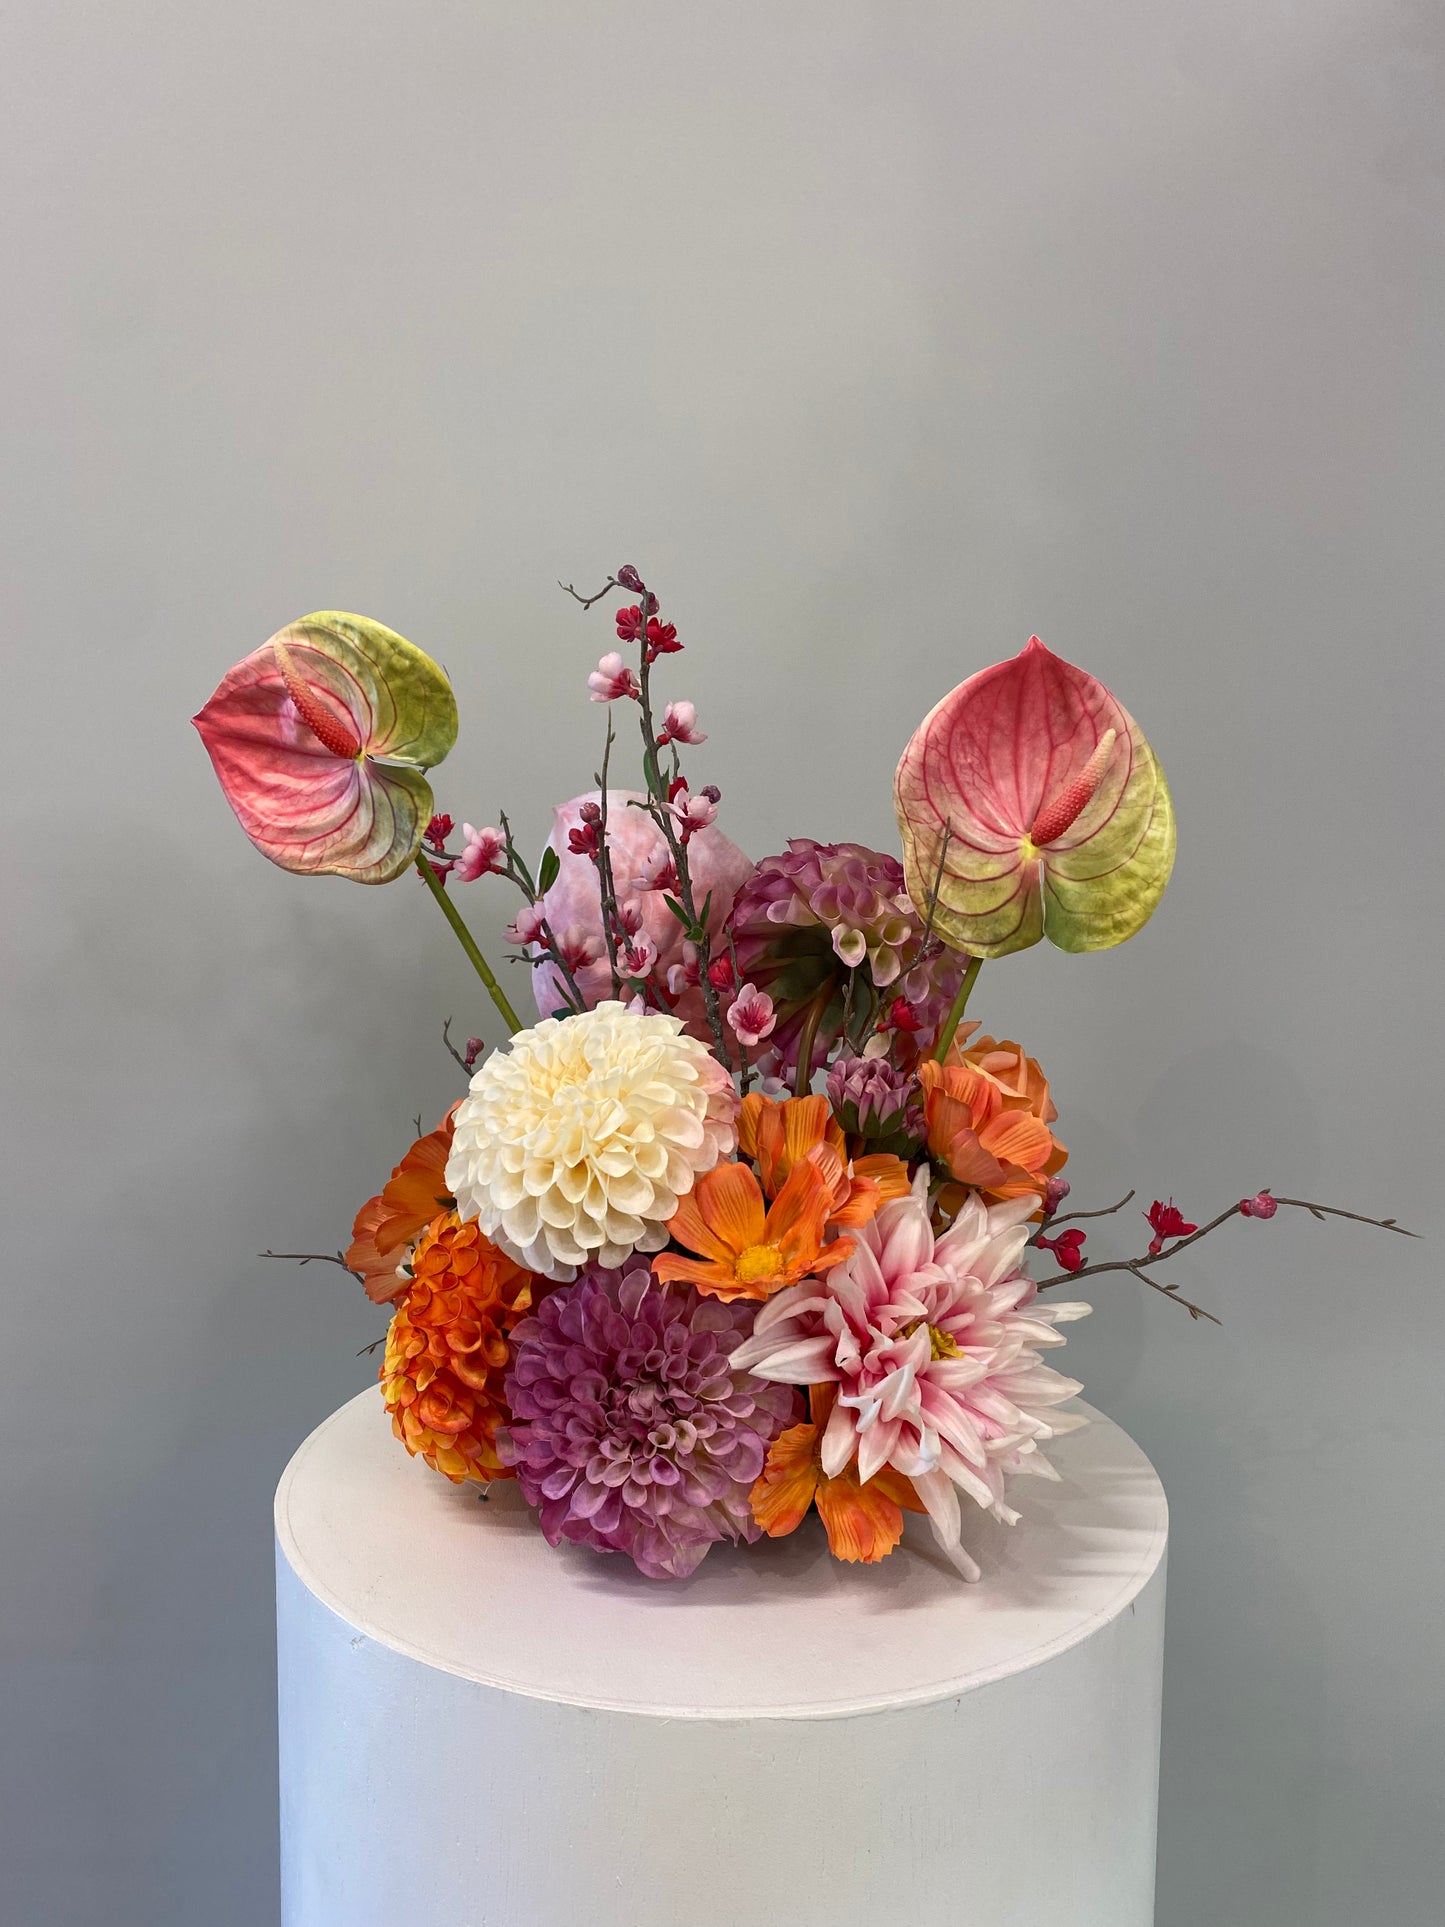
[784,1489]
[670,1267]
[862,1522]
[888,1172]
[691,1228]
[1017,1137]
[731,1202]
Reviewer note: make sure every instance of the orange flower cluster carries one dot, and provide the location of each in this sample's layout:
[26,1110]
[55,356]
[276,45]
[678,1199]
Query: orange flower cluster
[388,1223]
[756,1233]
[989,1111]
[864,1522]
[447,1351]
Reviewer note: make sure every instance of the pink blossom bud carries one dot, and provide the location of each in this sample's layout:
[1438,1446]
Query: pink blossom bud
[1055,1191]
[482,856]
[437,831]
[529,925]
[630,579]
[473,1051]
[1260,1206]
[679,725]
[612,678]
[751,1015]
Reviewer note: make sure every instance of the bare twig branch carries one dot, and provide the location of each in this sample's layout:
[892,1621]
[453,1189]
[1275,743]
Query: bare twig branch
[372,1346]
[1323,1211]
[937,885]
[587,600]
[1107,1212]
[316,1258]
[454,1052]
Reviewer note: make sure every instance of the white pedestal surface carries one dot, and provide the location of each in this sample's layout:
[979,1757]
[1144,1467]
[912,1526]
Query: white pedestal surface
[481,1731]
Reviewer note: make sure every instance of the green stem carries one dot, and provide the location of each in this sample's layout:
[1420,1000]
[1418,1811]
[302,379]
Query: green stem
[807,1038]
[468,943]
[960,1005]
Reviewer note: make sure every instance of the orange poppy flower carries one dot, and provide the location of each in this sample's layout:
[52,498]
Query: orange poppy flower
[386,1224]
[750,1249]
[864,1521]
[985,1140]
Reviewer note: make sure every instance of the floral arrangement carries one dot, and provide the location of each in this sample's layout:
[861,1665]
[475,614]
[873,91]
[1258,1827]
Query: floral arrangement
[743,1226]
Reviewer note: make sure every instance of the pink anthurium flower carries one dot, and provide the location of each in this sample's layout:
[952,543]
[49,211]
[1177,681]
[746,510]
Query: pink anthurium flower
[1030,798]
[320,739]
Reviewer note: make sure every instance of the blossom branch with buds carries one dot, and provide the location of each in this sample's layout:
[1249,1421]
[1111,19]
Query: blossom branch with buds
[1168,1244]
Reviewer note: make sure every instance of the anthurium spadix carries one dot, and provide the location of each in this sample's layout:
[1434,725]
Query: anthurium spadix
[1031,801]
[321,739]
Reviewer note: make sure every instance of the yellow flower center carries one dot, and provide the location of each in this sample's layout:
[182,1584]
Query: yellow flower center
[940,1344]
[759,1264]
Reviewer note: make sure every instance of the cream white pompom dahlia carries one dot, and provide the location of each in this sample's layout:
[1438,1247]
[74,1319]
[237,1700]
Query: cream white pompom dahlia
[577,1142]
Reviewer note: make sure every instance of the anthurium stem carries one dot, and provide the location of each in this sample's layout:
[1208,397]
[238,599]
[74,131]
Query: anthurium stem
[960,1005]
[468,943]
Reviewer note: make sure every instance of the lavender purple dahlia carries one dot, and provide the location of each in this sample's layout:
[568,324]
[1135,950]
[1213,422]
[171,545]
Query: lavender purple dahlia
[819,914]
[630,1431]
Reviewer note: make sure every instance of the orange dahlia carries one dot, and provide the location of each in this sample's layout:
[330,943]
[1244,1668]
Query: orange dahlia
[863,1520]
[386,1224]
[447,1350]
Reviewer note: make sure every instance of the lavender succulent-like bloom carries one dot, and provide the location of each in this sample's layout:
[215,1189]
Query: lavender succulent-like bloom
[807,918]
[631,1431]
[871,1098]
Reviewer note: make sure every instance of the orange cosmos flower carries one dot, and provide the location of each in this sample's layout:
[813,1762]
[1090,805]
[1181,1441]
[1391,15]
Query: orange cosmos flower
[386,1224]
[750,1249]
[778,1134]
[447,1350]
[986,1141]
[863,1521]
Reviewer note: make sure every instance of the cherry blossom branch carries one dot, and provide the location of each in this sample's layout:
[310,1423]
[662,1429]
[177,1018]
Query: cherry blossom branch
[606,883]
[1243,1209]
[517,872]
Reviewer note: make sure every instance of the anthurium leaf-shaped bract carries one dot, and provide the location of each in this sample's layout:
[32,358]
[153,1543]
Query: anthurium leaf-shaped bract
[321,739]
[1031,800]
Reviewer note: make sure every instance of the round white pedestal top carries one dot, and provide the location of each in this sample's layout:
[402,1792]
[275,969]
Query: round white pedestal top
[776,1630]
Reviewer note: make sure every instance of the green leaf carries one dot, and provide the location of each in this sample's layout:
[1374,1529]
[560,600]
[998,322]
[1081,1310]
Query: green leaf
[547,870]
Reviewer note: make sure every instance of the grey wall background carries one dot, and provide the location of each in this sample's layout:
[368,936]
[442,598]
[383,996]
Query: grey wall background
[878,336]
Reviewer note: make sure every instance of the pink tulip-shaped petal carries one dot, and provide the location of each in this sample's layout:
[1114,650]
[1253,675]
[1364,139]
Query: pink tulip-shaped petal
[294,733]
[1033,801]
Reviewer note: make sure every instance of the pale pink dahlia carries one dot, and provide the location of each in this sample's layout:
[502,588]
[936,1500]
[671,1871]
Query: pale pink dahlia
[934,1345]
[631,1429]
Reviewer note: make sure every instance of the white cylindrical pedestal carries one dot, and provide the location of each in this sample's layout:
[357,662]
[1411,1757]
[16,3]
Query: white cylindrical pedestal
[479,1730]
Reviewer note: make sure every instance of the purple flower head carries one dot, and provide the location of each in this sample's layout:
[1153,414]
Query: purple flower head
[631,1432]
[810,916]
[873,1099]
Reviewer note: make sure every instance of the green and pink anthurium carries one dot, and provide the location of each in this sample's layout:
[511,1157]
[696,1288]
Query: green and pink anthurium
[1031,805]
[321,739]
